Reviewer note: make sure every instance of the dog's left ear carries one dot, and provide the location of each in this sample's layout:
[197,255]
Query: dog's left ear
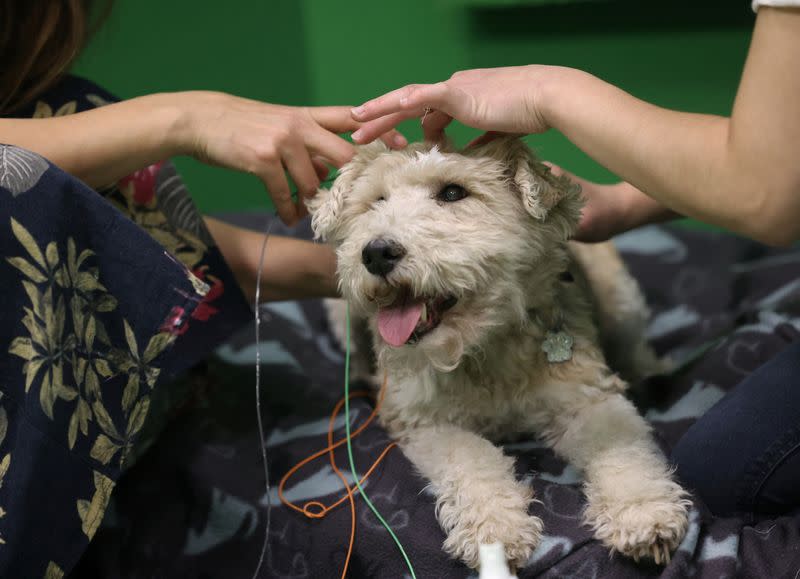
[540,190]
[327,205]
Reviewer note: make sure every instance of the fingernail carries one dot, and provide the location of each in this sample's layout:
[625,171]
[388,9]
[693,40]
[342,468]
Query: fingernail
[357,111]
[357,135]
[399,141]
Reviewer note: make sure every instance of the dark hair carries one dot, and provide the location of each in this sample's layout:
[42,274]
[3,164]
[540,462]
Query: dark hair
[39,39]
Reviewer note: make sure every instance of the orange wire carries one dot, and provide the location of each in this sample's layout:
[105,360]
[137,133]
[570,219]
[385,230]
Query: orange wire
[320,509]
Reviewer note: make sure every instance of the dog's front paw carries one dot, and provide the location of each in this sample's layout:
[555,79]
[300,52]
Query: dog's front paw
[500,519]
[642,527]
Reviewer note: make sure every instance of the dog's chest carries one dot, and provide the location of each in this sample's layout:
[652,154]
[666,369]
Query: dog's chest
[495,402]
[495,406]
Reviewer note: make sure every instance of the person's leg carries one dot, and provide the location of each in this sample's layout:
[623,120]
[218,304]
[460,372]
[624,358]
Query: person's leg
[743,456]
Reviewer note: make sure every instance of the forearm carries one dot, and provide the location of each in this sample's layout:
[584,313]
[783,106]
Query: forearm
[737,173]
[679,159]
[103,145]
[293,268]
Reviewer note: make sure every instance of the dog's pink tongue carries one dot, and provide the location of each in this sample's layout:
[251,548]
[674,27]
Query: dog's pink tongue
[397,323]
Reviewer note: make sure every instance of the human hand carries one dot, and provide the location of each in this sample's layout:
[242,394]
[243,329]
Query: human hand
[508,100]
[269,140]
[613,209]
[605,212]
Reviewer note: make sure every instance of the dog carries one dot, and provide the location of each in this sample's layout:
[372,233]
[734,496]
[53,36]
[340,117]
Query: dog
[489,324]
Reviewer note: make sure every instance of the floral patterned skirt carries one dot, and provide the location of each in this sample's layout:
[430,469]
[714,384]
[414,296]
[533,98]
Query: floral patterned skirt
[105,298]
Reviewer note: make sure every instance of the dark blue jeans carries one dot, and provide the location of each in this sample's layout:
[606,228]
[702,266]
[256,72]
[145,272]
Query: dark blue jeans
[743,456]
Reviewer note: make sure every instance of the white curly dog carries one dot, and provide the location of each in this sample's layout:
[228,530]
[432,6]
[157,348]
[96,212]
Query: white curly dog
[490,325]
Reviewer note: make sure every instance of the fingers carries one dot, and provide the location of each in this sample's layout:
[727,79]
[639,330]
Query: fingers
[558,171]
[413,97]
[335,119]
[274,180]
[321,167]
[374,129]
[484,138]
[394,139]
[301,168]
[331,147]
[339,120]
[307,174]
[434,124]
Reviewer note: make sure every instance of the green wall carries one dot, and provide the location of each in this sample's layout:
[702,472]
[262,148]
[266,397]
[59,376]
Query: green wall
[677,54]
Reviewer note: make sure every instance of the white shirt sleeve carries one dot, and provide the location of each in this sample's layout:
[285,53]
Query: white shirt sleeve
[757,3]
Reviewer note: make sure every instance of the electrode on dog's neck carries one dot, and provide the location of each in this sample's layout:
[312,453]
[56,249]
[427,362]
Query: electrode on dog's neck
[557,344]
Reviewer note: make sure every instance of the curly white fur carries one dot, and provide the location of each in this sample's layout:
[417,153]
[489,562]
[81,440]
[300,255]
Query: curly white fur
[481,375]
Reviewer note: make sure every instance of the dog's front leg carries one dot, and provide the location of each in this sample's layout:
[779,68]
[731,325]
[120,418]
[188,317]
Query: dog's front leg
[634,506]
[479,501]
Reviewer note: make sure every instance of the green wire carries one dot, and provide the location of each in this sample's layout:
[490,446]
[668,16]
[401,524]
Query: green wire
[350,447]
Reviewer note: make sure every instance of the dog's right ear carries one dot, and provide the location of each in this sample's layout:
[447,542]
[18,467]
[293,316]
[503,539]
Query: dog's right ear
[327,205]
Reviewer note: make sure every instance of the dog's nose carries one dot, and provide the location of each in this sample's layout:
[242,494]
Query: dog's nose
[380,256]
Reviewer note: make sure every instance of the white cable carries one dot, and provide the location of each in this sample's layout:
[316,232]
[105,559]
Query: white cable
[265,545]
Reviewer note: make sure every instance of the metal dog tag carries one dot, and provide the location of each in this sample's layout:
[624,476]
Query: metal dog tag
[557,346]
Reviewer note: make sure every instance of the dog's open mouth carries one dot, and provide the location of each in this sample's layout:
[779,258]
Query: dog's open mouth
[408,319]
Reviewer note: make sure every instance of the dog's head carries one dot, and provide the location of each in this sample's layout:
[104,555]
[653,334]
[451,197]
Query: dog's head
[439,248]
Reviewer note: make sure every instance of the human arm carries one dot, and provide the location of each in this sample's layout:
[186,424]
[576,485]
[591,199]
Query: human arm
[739,172]
[102,145]
[614,209]
[293,268]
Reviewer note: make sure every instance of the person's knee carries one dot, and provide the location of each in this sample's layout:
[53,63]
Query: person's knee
[704,467]
[742,455]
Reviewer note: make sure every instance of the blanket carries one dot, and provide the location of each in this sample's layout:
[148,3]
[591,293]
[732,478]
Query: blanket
[195,504]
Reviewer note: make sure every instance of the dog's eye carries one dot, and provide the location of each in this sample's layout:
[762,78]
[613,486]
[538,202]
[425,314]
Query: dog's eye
[451,193]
